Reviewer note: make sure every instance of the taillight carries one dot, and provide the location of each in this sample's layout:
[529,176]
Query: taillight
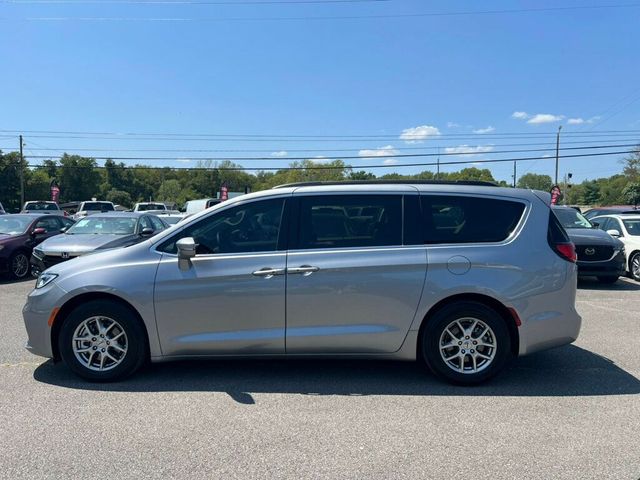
[567,251]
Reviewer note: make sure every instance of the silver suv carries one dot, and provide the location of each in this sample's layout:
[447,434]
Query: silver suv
[460,276]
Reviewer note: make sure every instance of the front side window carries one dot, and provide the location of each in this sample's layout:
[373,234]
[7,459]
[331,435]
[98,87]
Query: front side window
[252,227]
[342,221]
[461,219]
[633,227]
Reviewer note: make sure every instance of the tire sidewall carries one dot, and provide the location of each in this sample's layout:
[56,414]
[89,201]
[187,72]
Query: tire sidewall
[136,349]
[437,324]
[11,272]
[633,257]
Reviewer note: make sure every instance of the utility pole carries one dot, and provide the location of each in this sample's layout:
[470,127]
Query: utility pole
[21,175]
[557,152]
[438,165]
[515,166]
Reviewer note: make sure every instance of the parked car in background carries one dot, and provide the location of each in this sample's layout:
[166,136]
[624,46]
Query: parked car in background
[195,206]
[379,270]
[93,207]
[44,206]
[599,254]
[611,210]
[96,232]
[145,206]
[20,233]
[168,216]
[626,228]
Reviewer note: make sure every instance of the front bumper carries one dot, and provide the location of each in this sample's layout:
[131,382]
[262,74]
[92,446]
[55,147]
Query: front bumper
[36,313]
[614,267]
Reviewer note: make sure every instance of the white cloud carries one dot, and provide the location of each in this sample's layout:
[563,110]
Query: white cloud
[520,115]
[183,160]
[281,153]
[452,125]
[419,134]
[540,118]
[390,161]
[580,120]
[468,150]
[321,159]
[489,129]
[378,152]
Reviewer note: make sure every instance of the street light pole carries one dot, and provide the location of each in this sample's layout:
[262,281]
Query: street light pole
[515,165]
[557,152]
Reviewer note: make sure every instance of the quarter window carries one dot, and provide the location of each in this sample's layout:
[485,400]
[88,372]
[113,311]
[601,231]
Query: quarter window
[50,224]
[253,227]
[340,221]
[460,219]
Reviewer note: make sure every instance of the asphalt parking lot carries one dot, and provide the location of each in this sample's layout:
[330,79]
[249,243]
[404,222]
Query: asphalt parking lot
[572,412]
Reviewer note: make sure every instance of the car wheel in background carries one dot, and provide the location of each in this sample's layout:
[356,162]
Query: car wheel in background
[102,341]
[19,265]
[466,343]
[634,266]
[608,280]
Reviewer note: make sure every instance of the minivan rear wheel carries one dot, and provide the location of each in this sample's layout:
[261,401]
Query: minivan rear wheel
[466,343]
[102,341]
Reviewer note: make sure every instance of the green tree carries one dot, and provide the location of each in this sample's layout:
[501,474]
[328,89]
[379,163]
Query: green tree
[632,165]
[37,185]
[591,195]
[631,193]
[79,178]
[535,181]
[119,197]
[10,167]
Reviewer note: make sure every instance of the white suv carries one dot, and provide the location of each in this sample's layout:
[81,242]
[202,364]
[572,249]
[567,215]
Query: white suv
[626,228]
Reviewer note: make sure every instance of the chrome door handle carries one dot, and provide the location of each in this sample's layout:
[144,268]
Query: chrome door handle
[303,269]
[268,272]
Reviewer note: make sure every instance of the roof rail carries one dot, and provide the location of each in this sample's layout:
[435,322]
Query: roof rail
[476,183]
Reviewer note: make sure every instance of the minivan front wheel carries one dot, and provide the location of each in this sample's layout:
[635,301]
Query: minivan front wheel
[102,341]
[466,343]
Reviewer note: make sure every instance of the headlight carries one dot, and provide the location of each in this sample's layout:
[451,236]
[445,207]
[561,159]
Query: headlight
[38,253]
[45,279]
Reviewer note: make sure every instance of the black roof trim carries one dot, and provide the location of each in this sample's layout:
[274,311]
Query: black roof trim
[475,183]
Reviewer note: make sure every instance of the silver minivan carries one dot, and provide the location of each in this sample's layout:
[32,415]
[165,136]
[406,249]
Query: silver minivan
[462,277]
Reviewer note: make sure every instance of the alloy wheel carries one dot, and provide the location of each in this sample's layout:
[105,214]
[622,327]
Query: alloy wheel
[635,266]
[468,345]
[20,265]
[100,343]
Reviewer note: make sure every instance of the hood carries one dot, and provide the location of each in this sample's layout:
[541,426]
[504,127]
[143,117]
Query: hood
[84,243]
[592,236]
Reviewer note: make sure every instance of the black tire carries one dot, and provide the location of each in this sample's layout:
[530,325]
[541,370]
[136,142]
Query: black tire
[19,258]
[635,257]
[437,324]
[608,280]
[136,352]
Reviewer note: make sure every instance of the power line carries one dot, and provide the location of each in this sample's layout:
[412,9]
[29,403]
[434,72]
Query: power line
[354,157]
[187,2]
[333,17]
[329,167]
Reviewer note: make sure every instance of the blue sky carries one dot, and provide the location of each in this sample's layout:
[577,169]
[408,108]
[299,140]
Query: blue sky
[207,72]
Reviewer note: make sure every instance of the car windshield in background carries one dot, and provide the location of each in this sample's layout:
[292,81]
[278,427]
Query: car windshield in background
[633,227]
[104,226]
[570,218]
[41,206]
[14,224]
[151,206]
[98,206]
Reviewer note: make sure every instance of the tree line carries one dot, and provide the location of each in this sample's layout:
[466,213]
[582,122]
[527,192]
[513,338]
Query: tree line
[81,178]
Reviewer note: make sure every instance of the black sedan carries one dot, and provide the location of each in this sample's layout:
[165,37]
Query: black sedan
[19,234]
[599,254]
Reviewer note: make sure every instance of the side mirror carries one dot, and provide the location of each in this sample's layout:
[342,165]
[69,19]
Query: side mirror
[38,231]
[614,233]
[146,232]
[186,251]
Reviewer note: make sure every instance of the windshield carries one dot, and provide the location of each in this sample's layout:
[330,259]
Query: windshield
[98,206]
[151,206]
[570,218]
[104,226]
[41,206]
[14,224]
[633,227]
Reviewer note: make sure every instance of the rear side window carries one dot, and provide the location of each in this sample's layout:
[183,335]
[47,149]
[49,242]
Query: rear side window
[342,221]
[458,219]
